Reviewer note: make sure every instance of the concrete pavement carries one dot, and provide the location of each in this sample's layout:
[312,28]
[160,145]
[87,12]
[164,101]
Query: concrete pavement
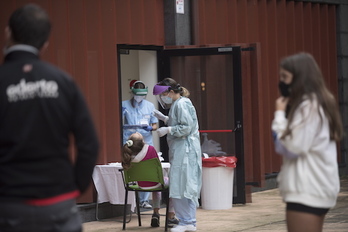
[265,213]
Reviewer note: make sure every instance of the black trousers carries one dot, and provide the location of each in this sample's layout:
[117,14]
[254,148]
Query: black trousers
[60,217]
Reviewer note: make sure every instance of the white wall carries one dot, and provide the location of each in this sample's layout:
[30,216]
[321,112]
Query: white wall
[129,71]
[140,65]
[148,72]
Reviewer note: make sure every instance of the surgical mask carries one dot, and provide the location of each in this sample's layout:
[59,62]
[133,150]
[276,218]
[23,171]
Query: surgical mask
[284,89]
[139,98]
[167,99]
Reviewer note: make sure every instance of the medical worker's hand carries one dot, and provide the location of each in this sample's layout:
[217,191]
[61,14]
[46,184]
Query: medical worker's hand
[158,114]
[148,128]
[162,131]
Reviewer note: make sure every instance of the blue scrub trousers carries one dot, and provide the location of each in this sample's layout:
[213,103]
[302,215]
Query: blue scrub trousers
[185,211]
[144,196]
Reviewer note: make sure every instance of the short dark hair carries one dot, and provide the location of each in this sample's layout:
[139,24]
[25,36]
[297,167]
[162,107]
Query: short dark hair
[30,25]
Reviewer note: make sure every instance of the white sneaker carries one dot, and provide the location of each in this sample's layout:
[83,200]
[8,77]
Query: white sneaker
[145,205]
[181,228]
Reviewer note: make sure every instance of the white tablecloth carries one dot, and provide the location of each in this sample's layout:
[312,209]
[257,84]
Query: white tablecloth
[109,185]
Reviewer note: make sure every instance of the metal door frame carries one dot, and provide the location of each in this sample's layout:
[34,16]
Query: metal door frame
[235,51]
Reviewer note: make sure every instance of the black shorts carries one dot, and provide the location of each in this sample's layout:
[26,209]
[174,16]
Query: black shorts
[306,209]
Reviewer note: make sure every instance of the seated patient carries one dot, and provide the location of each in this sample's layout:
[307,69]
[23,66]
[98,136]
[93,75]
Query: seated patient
[135,150]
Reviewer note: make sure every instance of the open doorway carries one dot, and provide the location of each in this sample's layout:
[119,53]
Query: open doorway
[138,63]
[213,75]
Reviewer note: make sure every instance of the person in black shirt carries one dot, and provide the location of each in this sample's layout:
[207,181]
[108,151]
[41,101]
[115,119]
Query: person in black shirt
[40,108]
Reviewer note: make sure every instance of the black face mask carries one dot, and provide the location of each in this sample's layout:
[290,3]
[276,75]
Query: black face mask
[284,89]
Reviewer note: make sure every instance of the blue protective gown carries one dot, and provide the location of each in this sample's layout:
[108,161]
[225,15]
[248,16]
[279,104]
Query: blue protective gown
[184,151]
[142,111]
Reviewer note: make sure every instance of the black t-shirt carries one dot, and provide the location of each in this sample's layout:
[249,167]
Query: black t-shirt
[41,110]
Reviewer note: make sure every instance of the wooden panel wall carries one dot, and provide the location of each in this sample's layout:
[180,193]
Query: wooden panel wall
[280,28]
[83,43]
[86,32]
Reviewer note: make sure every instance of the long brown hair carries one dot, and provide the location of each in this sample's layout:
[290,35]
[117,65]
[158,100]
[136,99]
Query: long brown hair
[176,87]
[130,149]
[308,81]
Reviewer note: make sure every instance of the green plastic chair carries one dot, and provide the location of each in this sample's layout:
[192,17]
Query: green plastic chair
[147,170]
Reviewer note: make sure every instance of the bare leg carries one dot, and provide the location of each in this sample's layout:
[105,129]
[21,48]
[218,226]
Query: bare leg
[156,198]
[171,215]
[304,222]
[156,210]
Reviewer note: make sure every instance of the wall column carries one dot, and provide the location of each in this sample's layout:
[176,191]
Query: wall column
[342,62]
[177,25]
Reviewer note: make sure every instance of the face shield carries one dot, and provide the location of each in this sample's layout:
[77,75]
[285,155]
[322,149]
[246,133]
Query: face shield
[158,90]
[139,94]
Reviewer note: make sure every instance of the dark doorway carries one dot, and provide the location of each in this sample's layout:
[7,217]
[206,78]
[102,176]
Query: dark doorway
[213,77]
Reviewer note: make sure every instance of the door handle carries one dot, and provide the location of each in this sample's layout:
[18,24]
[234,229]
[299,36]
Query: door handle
[238,126]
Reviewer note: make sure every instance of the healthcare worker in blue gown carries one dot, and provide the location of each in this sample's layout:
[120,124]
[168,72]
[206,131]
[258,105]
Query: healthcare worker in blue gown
[185,177]
[138,117]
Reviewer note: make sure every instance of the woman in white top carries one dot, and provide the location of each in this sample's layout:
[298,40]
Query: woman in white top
[306,127]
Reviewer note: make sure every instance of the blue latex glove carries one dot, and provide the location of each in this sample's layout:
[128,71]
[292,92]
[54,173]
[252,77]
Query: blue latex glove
[147,128]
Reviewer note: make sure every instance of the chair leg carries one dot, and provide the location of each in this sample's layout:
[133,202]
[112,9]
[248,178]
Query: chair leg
[97,209]
[167,210]
[125,210]
[138,207]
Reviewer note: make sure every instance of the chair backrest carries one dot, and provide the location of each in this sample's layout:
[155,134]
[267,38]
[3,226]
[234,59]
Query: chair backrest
[147,170]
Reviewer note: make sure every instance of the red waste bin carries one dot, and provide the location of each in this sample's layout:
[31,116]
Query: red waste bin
[220,161]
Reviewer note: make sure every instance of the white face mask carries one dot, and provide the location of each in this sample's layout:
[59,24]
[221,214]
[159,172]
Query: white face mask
[167,99]
[139,98]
